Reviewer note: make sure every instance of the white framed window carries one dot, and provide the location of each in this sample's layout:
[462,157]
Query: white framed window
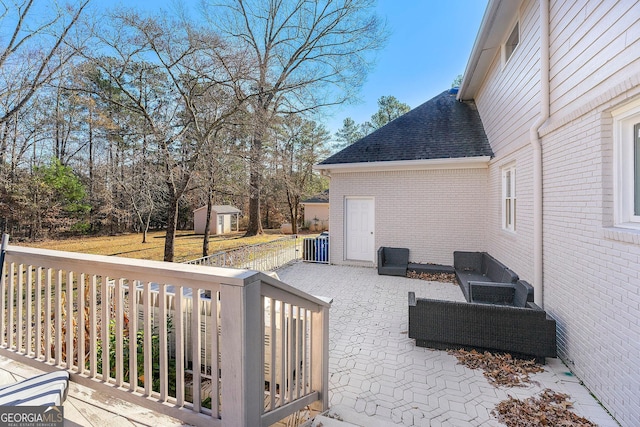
[511,43]
[509,197]
[626,165]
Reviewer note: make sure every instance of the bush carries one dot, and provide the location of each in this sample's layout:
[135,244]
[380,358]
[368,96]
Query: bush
[155,356]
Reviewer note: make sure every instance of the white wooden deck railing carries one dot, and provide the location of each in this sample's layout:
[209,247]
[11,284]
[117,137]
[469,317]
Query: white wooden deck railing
[253,353]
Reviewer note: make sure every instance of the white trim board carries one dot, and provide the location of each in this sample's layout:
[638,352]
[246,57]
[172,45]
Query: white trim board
[481,162]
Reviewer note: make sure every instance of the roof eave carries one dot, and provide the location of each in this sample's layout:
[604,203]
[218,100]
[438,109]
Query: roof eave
[220,212]
[495,22]
[478,162]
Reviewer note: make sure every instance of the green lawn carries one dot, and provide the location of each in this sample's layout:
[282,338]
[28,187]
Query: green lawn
[188,246]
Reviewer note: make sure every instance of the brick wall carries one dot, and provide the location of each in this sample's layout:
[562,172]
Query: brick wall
[431,212]
[591,269]
[514,249]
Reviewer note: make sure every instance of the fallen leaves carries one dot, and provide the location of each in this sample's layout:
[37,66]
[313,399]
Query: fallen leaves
[433,277]
[499,369]
[549,409]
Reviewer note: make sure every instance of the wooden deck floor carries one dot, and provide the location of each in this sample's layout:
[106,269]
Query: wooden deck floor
[86,407]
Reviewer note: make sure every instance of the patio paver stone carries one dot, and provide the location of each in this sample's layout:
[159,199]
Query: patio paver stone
[377,375]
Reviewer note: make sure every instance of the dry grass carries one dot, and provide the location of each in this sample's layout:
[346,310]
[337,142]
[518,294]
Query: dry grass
[188,246]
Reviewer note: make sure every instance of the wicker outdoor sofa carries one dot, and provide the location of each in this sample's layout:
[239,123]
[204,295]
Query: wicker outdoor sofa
[480,267]
[526,332]
[499,314]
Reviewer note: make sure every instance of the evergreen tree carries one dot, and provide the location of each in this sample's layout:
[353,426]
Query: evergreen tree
[349,133]
[389,108]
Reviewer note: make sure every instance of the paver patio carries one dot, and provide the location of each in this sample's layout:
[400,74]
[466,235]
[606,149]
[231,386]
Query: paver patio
[378,377]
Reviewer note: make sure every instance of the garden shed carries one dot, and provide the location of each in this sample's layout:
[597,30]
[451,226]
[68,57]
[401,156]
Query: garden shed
[224,219]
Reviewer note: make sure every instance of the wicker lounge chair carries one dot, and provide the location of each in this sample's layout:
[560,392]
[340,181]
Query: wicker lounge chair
[393,261]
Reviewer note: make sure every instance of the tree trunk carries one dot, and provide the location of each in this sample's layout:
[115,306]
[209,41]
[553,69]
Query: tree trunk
[145,226]
[255,181]
[3,142]
[207,226]
[92,187]
[294,220]
[172,226]
[293,212]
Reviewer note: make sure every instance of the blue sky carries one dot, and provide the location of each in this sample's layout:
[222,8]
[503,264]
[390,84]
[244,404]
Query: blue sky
[429,45]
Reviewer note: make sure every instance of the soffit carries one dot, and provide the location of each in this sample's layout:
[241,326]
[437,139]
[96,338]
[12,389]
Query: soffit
[496,22]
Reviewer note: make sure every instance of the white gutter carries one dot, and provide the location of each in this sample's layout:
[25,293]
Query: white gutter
[536,145]
[479,162]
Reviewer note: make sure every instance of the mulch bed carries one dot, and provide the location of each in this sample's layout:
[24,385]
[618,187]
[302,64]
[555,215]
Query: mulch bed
[499,369]
[433,277]
[549,409]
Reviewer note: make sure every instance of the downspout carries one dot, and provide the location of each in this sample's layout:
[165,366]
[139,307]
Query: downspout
[536,145]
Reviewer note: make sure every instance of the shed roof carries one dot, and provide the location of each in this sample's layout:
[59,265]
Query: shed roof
[222,209]
[318,198]
[441,128]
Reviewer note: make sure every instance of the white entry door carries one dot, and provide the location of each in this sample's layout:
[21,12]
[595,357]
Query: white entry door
[359,229]
[220,224]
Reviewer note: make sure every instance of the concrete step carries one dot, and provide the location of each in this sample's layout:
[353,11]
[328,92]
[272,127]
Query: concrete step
[329,421]
[344,416]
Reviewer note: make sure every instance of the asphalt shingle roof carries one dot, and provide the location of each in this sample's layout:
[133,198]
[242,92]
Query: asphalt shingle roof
[440,128]
[318,198]
[225,209]
[222,209]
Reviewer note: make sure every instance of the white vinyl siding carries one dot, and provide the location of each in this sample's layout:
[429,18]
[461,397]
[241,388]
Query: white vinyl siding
[594,46]
[508,101]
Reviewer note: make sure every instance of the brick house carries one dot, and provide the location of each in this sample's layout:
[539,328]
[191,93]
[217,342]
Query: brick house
[555,194]
[421,178]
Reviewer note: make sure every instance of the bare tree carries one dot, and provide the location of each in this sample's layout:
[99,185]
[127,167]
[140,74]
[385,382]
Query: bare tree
[301,145]
[306,54]
[174,78]
[34,52]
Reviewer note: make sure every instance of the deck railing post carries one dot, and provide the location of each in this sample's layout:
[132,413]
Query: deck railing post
[320,357]
[242,347]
